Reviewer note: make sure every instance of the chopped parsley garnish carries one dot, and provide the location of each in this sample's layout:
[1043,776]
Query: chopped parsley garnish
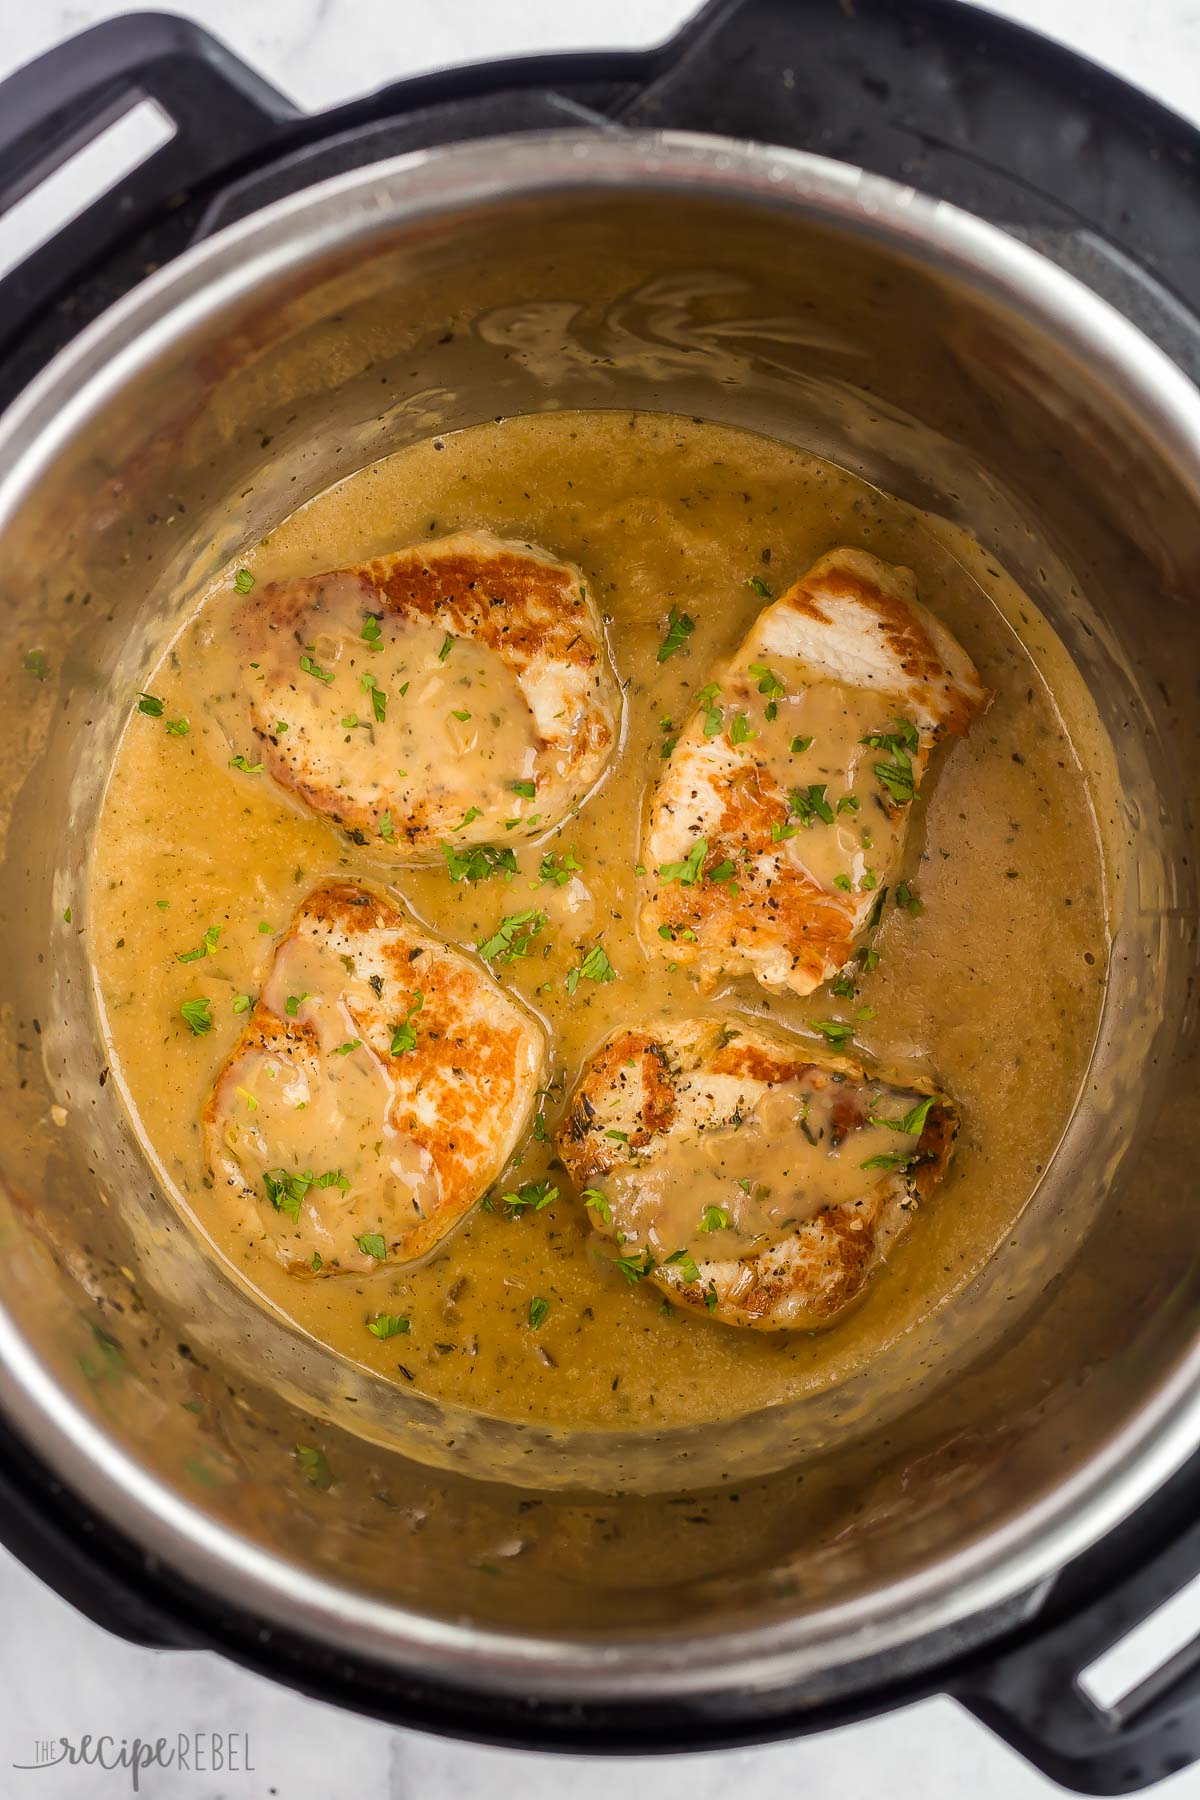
[741,731]
[345,1049]
[512,936]
[151,705]
[293,1003]
[810,803]
[558,866]
[67,916]
[460,713]
[404,1036]
[799,744]
[712,713]
[447,647]
[843,987]
[770,685]
[848,803]
[530,1196]
[371,1244]
[594,967]
[34,663]
[314,1466]
[538,1308]
[759,586]
[527,789]
[679,630]
[907,899]
[897,775]
[889,1159]
[877,909]
[714,1218]
[844,882]
[477,863]
[315,670]
[243,581]
[868,961]
[687,872]
[388,1325]
[834,1031]
[369,685]
[386,829]
[371,632]
[177,727]
[635,1268]
[913,1122]
[334,1178]
[710,1298]
[780,831]
[469,817]
[247,768]
[205,949]
[598,1203]
[686,1263]
[286,1192]
[195,1013]
[870,880]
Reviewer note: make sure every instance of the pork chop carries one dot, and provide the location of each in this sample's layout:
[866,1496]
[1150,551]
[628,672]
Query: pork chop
[753,1178]
[379,1087]
[781,814]
[458,691]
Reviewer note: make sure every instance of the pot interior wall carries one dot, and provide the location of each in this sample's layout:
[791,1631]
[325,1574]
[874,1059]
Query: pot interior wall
[761,318]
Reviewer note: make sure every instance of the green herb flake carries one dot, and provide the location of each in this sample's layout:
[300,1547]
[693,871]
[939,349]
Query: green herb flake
[594,967]
[538,1308]
[34,663]
[315,670]
[151,705]
[369,685]
[387,830]
[834,1031]
[314,1466]
[247,768]
[371,631]
[195,1013]
[598,1202]
[901,745]
[759,586]
[686,1264]
[741,731]
[242,1002]
[531,1196]
[687,872]
[907,899]
[389,1325]
[889,1159]
[512,936]
[800,744]
[809,804]
[404,1036]
[243,581]
[635,1268]
[447,647]
[371,1244]
[679,630]
[913,1122]
[558,867]
[844,882]
[527,789]
[714,1218]
[286,1192]
[479,862]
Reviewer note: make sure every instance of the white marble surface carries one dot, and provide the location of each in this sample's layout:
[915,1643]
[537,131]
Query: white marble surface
[58,1673]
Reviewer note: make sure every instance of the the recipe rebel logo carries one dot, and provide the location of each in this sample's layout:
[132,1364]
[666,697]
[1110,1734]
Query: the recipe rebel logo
[192,1752]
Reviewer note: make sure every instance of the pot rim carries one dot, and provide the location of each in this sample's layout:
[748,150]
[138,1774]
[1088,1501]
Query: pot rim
[351,210]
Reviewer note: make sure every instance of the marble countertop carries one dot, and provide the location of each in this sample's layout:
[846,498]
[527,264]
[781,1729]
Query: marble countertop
[61,1675]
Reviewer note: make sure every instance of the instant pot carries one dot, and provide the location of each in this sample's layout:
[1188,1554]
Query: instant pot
[922,243]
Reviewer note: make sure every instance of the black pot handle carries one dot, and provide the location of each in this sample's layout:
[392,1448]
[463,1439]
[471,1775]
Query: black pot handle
[220,109]
[1031,1694]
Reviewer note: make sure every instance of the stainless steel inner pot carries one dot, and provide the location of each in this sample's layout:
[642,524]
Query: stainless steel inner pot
[921,349]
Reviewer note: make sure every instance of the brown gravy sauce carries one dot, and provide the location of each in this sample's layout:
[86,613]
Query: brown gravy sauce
[990,991]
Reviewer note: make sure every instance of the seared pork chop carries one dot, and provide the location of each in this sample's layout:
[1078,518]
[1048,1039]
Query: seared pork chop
[752,1178]
[381,1084]
[781,814]
[456,692]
